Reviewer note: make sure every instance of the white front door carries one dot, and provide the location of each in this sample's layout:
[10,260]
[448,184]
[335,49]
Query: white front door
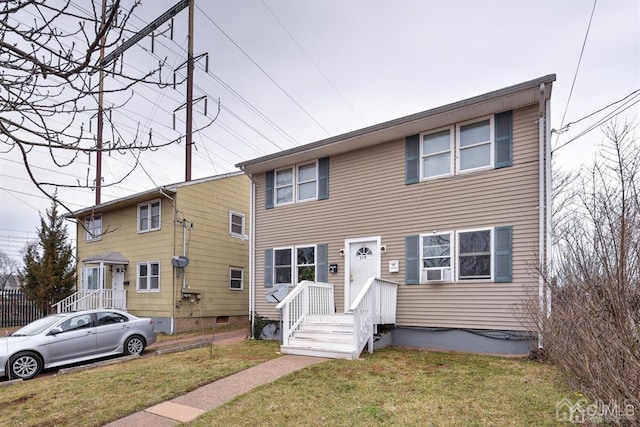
[362,264]
[117,278]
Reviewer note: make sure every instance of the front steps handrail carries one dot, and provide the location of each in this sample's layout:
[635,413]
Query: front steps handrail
[86,299]
[375,304]
[306,298]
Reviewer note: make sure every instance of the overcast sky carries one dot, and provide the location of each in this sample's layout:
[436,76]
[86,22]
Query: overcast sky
[293,72]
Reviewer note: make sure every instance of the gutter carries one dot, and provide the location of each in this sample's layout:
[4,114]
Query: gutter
[252,244]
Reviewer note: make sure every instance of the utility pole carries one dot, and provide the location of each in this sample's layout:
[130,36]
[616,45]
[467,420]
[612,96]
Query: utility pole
[189,128]
[100,112]
[105,60]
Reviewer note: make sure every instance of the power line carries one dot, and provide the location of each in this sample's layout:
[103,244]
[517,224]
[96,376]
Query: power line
[575,76]
[264,72]
[312,61]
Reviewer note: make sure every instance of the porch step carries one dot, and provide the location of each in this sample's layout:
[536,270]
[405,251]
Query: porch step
[323,336]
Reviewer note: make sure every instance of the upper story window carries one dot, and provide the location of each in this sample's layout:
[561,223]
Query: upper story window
[93,228]
[436,150]
[299,183]
[475,145]
[483,143]
[296,184]
[149,216]
[148,277]
[236,224]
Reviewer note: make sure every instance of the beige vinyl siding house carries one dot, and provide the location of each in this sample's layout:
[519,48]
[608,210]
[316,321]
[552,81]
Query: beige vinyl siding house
[135,258]
[478,228]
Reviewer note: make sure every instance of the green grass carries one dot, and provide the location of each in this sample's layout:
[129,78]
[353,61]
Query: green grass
[404,388]
[391,387]
[104,394]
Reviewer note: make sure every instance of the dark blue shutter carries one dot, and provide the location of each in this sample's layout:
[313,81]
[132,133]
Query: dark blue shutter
[503,242]
[268,268]
[322,269]
[323,178]
[412,159]
[504,139]
[412,260]
[268,187]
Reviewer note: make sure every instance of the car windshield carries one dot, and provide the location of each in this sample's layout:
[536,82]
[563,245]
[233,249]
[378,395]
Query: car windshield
[37,326]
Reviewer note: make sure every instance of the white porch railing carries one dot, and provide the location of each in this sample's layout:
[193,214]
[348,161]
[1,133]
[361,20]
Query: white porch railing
[307,298]
[88,299]
[374,305]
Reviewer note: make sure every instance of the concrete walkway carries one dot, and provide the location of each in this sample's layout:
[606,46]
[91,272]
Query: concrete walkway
[191,405]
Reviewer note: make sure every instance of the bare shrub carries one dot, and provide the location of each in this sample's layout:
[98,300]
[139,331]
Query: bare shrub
[592,331]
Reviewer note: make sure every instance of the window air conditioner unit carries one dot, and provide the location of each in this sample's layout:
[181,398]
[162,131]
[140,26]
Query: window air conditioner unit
[435,275]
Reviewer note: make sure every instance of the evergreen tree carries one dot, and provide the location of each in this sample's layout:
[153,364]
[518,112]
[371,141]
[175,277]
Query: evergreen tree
[49,273]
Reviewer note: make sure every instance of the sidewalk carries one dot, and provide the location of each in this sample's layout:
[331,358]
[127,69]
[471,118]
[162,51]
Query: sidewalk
[191,405]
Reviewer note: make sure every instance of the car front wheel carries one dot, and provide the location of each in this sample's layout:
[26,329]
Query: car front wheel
[134,345]
[25,365]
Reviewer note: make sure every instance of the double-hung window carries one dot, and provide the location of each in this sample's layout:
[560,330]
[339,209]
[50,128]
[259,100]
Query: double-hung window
[148,276]
[236,278]
[482,254]
[293,265]
[93,226]
[436,257]
[475,145]
[284,186]
[236,224]
[307,179]
[436,148]
[149,216]
[474,254]
[296,184]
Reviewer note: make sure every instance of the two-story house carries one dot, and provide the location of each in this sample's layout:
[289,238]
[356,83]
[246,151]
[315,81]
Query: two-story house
[433,223]
[177,253]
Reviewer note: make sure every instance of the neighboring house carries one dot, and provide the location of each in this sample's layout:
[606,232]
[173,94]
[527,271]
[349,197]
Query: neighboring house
[447,209]
[178,254]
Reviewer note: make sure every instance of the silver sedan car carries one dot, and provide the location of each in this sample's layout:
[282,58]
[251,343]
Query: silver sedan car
[66,338]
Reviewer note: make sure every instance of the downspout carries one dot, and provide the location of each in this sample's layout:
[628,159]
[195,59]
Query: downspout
[173,276]
[549,201]
[541,204]
[252,243]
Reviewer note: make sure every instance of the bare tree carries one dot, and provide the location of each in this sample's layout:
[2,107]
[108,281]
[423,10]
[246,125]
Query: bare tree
[8,269]
[593,330]
[49,84]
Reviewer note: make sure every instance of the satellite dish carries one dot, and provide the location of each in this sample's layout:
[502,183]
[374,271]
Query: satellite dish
[180,261]
[277,294]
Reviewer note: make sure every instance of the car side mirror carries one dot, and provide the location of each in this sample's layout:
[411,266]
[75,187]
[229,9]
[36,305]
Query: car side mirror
[55,331]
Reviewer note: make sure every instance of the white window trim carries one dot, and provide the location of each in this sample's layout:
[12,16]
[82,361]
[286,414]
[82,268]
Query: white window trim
[89,234]
[148,263]
[294,262]
[298,183]
[452,254]
[491,252]
[491,142]
[242,234]
[148,204]
[451,151]
[295,182]
[241,270]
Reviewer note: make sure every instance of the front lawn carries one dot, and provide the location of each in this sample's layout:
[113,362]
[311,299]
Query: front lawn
[404,388]
[391,387]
